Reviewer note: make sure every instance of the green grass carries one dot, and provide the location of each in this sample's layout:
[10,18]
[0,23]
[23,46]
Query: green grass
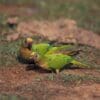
[11,97]
[85,12]
[8,52]
[2,22]
[18,2]
[70,78]
[76,78]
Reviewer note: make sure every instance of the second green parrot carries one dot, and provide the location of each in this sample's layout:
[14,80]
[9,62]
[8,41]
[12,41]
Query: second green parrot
[56,62]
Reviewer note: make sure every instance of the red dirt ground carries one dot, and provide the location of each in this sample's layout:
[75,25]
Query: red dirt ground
[62,30]
[17,80]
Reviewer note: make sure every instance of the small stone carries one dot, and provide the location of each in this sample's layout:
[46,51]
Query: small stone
[12,21]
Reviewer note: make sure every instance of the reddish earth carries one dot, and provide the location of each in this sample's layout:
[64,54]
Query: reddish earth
[17,80]
[62,30]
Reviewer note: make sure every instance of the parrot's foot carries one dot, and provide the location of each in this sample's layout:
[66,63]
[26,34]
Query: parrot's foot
[57,71]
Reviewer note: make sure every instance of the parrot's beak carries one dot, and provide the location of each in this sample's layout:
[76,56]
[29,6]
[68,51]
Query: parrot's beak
[32,55]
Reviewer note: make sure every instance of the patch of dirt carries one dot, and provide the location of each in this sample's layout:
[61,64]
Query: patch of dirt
[33,84]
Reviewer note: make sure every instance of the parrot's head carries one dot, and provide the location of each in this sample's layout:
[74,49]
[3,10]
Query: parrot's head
[28,42]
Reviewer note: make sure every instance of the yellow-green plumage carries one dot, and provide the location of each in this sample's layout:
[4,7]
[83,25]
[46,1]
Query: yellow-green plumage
[47,56]
[57,61]
[45,48]
[59,49]
[51,58]
[41,48]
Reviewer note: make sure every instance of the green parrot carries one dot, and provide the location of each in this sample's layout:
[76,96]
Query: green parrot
[41,48]
[45,48]
[56,62]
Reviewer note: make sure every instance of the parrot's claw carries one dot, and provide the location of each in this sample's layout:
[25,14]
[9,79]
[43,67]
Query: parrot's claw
[57,71]
[32,55]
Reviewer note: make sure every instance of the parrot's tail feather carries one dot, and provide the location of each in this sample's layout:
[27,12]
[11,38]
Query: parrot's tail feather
[81,65]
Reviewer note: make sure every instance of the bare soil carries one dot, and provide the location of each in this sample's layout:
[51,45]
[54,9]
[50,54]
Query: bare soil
[34,85]
[61,30]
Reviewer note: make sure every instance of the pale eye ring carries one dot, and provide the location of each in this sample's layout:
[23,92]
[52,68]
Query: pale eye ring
[35,55]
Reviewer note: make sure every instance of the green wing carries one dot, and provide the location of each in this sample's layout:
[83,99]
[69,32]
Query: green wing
[59,49]
[57,61]
[41,48]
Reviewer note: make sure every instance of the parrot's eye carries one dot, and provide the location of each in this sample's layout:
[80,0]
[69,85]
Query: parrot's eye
[35,55]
